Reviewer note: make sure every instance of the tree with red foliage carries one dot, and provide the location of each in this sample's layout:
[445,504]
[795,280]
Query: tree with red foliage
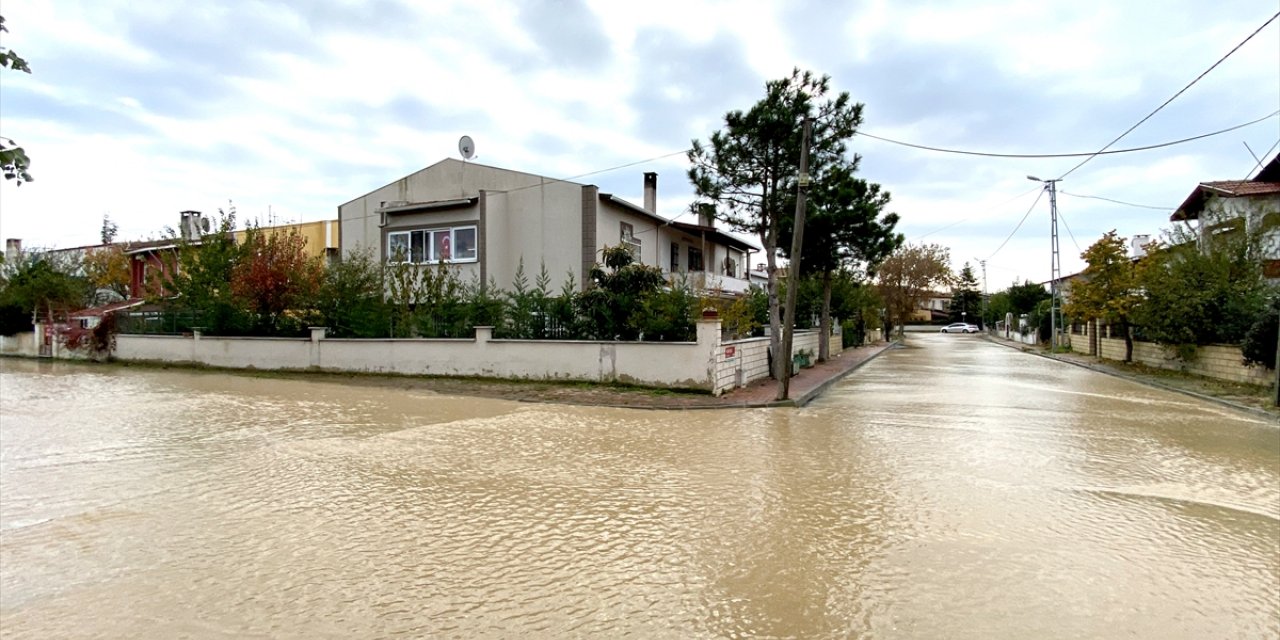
[275,280]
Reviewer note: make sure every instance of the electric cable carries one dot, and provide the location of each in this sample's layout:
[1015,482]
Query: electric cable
[1069,234]
[1015,229]
[987,154]
[964,220]
[1175,96]
[1127,204]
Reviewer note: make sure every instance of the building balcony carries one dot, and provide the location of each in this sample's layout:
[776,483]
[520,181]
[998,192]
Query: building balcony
[711,282]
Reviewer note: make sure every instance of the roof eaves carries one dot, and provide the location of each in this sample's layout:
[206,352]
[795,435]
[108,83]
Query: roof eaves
[435,205]
[609,197]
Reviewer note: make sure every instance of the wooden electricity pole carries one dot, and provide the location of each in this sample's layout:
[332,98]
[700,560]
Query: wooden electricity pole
[793,273]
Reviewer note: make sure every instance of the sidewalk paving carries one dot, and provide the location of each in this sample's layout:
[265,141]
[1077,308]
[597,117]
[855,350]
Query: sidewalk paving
[1258,401]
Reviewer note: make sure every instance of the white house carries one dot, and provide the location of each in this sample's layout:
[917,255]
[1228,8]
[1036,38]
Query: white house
[486,220]
[1227,206]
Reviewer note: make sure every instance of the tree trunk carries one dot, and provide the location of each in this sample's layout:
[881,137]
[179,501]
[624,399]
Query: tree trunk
[1128,341]
[781,363]
[824,325]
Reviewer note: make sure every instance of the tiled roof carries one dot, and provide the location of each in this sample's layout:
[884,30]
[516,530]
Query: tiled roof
[1191,207]
[1236,188]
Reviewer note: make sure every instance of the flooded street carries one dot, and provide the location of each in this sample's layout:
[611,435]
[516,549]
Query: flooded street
[954,489]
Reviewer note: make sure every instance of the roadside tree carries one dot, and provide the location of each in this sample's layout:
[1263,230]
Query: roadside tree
[107,268]
[846,232]
[909,275]
[1198,295]
[966,299]
[748,170]
[40,285]
[1107,289]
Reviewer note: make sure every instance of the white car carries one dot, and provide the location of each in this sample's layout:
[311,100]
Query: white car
[959,327]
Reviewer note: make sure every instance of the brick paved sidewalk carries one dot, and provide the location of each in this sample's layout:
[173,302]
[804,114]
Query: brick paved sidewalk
[806,385]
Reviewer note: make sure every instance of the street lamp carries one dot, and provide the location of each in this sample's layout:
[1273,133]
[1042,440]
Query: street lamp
[1055,262]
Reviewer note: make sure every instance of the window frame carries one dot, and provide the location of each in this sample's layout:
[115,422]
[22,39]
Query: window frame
[428,239]
[701,262]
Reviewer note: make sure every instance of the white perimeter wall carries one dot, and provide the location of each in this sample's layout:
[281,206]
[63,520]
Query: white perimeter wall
[21,344]
[741,362]
[674,365]
[706,364]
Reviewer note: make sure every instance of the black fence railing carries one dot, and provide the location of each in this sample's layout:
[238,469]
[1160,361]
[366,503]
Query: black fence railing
[158,322]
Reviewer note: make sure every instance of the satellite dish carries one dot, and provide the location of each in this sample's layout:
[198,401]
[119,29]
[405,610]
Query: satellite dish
[466,147]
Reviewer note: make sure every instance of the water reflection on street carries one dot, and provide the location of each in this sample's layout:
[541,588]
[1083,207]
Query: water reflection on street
[952,489]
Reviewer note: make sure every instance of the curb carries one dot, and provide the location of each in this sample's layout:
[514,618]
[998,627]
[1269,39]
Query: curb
[822,388]
[1155,385]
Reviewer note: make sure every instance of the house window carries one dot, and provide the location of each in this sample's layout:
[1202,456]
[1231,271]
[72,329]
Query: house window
[629,240]
[429,246]
[675,257]
[695,259]
[730,267]
[464,248]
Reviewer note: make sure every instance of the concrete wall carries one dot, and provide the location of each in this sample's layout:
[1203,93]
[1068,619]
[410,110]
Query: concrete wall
[540,224]
[1221,362]
[741,362]
[672,365]
[706,364]
[22,344]
[645,229]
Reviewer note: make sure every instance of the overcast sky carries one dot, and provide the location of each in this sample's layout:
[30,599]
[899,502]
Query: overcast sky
[142,109]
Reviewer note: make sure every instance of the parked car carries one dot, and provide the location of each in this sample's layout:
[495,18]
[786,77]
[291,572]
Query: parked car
[959,327]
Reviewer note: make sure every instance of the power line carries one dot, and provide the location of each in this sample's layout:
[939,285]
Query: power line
[1015,229]
[987,154]
[624,166]
[1069,234]
[964,220]
[1128,204]
[1180,92]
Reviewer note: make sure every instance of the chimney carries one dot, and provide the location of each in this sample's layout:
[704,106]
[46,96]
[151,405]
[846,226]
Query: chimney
[1137,246]
[707,214]
[651,192]
[12,250]
[189,228]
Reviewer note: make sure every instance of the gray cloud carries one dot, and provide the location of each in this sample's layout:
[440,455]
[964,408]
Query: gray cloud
[85,117]
[707,80]
[569,34]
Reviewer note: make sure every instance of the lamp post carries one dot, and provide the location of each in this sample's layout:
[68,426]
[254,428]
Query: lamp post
[1055,263]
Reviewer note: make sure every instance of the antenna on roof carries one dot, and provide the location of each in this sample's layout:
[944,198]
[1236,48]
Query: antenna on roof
[466,147]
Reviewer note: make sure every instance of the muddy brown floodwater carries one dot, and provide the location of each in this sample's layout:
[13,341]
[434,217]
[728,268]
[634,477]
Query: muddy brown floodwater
[954,489]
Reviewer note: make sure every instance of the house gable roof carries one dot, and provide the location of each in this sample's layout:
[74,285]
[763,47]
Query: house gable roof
[1266,183]
[455,162]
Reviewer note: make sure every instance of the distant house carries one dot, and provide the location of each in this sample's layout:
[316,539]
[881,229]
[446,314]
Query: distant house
[934,307]
[486,221]
[150,261]
[1234,206]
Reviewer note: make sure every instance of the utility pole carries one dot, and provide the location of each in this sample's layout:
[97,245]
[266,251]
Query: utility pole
[1055,262]
[793,275]
[984,293]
